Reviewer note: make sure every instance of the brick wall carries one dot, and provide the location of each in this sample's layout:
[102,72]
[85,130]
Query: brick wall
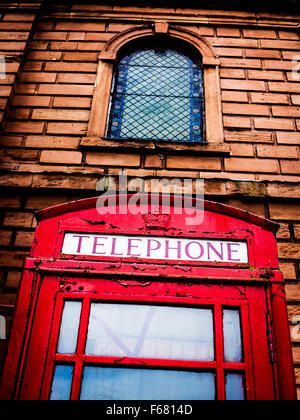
[46,101]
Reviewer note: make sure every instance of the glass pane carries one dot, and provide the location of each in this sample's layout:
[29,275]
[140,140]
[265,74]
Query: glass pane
[152,58]
[232,336]
[158,96]
[147,117]
[69,327]
[158,81]
[235,387]
[146,384]
[62,382]
[151,332]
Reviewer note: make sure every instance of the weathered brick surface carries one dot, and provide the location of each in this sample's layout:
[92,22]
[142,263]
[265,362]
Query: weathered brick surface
[45,103]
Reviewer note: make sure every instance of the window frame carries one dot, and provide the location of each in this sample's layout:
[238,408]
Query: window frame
[195,69]
[219,366]
[99,117]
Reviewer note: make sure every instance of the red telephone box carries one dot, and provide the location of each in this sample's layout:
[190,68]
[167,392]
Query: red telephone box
[147,307]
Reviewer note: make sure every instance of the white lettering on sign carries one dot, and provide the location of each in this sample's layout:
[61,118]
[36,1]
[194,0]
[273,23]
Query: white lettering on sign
[155,248]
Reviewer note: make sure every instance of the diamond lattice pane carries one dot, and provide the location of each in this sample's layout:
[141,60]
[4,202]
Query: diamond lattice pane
[158,96]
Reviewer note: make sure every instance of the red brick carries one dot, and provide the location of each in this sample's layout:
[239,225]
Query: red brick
[44,55]
[259,33]
[289,55]
[15,26]
[290,167]
[234,42]
[38,77]
[153,161]
[241,63]
[289,251]
[229,52]
[281,45]
[259,53]
[284,87]
[33,65]
[118,27]
[289,35]
[278,65]
[229,96]
[248,85]
[13,35]
[5,236]
[98,36]
[51,35]
[80,26]
[19,17]
[232,74]
[245,109]
[5,90]
[77,78]
[90,46]
[113,159]
[12,67]
[22,219]
[283,232]
[238,122]
[61,157]
[269,98]
[64,46]
[286,111]
[265,75]
[288,137]
[13,279]
[63,89]
[297,231]
[77,36]
[292,77]
[38,45]
[280,211]
[13,259]
[277,152]
[274,123]
[12,46]
[72,102]
[24,127]
[194,162]
[52,142]
[37,202]
[71,67]
[24,239]
[206,31]
[81,56]
[58,114]
[241,150]
[281,189]
[288,270]
[251,165]
[10,200]
[34,101]
[67,128]
[232,32]
[249,136]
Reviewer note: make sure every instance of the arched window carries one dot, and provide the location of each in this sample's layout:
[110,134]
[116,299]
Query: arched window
[158,95]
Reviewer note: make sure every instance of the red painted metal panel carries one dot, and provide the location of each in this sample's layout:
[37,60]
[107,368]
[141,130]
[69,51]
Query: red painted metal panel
[50,277]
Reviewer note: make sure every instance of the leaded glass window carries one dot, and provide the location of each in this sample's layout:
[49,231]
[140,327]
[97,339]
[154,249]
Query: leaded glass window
[157,95]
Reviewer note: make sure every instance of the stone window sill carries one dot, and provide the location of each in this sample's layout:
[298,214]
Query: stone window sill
[102,143]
